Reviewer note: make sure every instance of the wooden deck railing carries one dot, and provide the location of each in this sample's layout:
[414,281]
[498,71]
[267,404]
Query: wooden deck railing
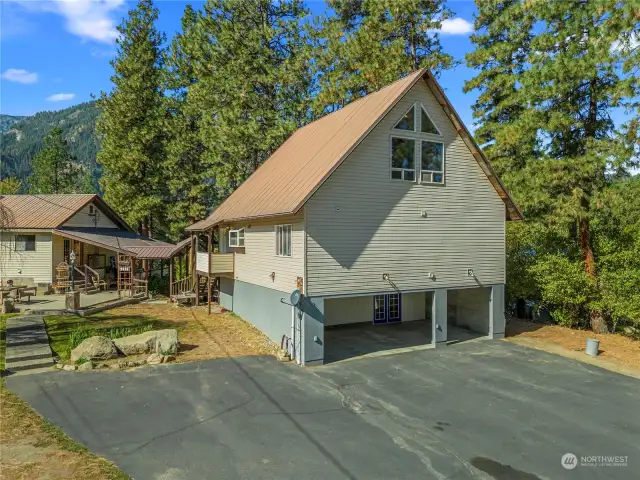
[182,286]
[140,287]
[220,262]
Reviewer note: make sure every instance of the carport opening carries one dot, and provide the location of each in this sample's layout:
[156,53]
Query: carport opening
[364,325]
[468,313]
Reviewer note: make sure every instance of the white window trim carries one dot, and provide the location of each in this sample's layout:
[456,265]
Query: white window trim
[444,155]
[239,236]
[415,156]
[415,121]
[429,116]
[275,232]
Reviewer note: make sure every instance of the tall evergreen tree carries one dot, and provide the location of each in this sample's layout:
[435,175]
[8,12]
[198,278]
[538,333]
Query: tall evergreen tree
[364,45]
[550,79]
[191,190]
[131,125]
[54,169]
[254,91]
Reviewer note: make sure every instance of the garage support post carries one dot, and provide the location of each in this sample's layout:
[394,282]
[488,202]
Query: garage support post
[439,316]
[496,312]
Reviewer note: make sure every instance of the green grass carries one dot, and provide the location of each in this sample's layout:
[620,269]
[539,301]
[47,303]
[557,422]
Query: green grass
[3,337]
[66,332]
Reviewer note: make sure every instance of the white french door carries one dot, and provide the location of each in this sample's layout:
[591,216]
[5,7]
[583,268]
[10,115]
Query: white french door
[387,308]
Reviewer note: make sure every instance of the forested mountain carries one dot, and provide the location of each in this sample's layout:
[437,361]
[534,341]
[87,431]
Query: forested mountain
[6,121]
[23,138]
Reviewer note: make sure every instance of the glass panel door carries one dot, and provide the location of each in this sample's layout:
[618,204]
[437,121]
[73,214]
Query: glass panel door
[387,308]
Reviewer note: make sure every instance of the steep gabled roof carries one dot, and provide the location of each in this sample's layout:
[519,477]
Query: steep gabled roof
[283,183]
[52,211]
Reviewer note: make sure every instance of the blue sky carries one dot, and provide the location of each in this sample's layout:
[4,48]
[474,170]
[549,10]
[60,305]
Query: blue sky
[54,54]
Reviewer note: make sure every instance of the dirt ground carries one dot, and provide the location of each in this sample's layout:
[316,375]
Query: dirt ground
[203,336]
[32,449]
[614,348]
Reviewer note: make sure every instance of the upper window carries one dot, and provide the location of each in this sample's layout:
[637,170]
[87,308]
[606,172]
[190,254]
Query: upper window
[408,121]
[283,240]
[403,151]
[236,238]
[413,158]
[90,209]
[432,170]
[426,124]
[25,243]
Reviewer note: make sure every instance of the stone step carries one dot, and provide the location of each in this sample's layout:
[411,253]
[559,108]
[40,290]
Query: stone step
[33,356]
[29,364]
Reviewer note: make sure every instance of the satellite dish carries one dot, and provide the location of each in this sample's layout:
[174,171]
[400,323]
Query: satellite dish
[294,298]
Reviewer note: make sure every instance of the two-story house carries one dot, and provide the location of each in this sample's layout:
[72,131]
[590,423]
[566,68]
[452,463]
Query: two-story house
[383,212]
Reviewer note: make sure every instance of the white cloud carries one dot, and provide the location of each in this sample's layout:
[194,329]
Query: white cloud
[88,19]
[456,26]
[61,97]
[19,75]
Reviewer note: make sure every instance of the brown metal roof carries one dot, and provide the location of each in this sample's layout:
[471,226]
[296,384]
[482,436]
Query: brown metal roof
[283,183]
[158,251]
[119,241]
[50,211]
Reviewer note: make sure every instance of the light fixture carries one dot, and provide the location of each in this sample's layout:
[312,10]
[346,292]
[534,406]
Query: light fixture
[385,276]
[470,272]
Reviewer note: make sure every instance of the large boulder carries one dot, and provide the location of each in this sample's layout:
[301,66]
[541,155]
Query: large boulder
[94,348]
[167,342]
[164,342]
[137,344]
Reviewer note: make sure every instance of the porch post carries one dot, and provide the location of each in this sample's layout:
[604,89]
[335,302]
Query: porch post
[209,270]
[439,318]
[170,277]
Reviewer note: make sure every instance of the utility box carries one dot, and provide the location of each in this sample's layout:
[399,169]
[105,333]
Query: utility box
[73,300]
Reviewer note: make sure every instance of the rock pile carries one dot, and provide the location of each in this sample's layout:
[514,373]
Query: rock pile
[161,344]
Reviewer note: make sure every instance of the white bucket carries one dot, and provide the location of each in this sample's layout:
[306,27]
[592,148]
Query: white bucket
[592,347]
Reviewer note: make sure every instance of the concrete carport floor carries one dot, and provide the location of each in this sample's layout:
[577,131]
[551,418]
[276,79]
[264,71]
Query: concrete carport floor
[343,342]
[350,331]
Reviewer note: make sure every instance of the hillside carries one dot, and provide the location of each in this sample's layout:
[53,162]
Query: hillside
[6,121]
[23,138]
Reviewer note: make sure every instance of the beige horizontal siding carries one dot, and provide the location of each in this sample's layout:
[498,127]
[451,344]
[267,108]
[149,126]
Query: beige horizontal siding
[28,267]
[361,224]
[84,219]
[256,262]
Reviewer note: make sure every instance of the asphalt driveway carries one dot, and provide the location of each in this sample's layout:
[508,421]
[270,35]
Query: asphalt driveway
[489,410]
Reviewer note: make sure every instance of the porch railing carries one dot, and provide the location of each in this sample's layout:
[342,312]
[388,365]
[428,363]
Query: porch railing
[140,287]
[182,286]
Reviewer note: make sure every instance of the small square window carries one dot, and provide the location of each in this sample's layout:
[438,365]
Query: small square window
[236,238]
[25,243]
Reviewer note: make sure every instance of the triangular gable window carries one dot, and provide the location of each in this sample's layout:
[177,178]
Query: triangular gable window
[408,122]
[427,124]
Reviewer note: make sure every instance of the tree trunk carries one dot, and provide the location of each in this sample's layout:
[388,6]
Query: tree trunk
[598,323]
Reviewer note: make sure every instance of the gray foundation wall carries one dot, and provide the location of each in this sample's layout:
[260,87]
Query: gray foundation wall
[259,306]
[470,308]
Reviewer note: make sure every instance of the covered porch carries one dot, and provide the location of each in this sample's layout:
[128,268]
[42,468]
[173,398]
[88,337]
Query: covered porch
[95,261]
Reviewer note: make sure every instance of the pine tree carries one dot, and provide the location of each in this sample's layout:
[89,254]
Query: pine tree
[254,91]
[550,78]
[131,125]
[10,186]
[191,191]
[54,169]
[366,44]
